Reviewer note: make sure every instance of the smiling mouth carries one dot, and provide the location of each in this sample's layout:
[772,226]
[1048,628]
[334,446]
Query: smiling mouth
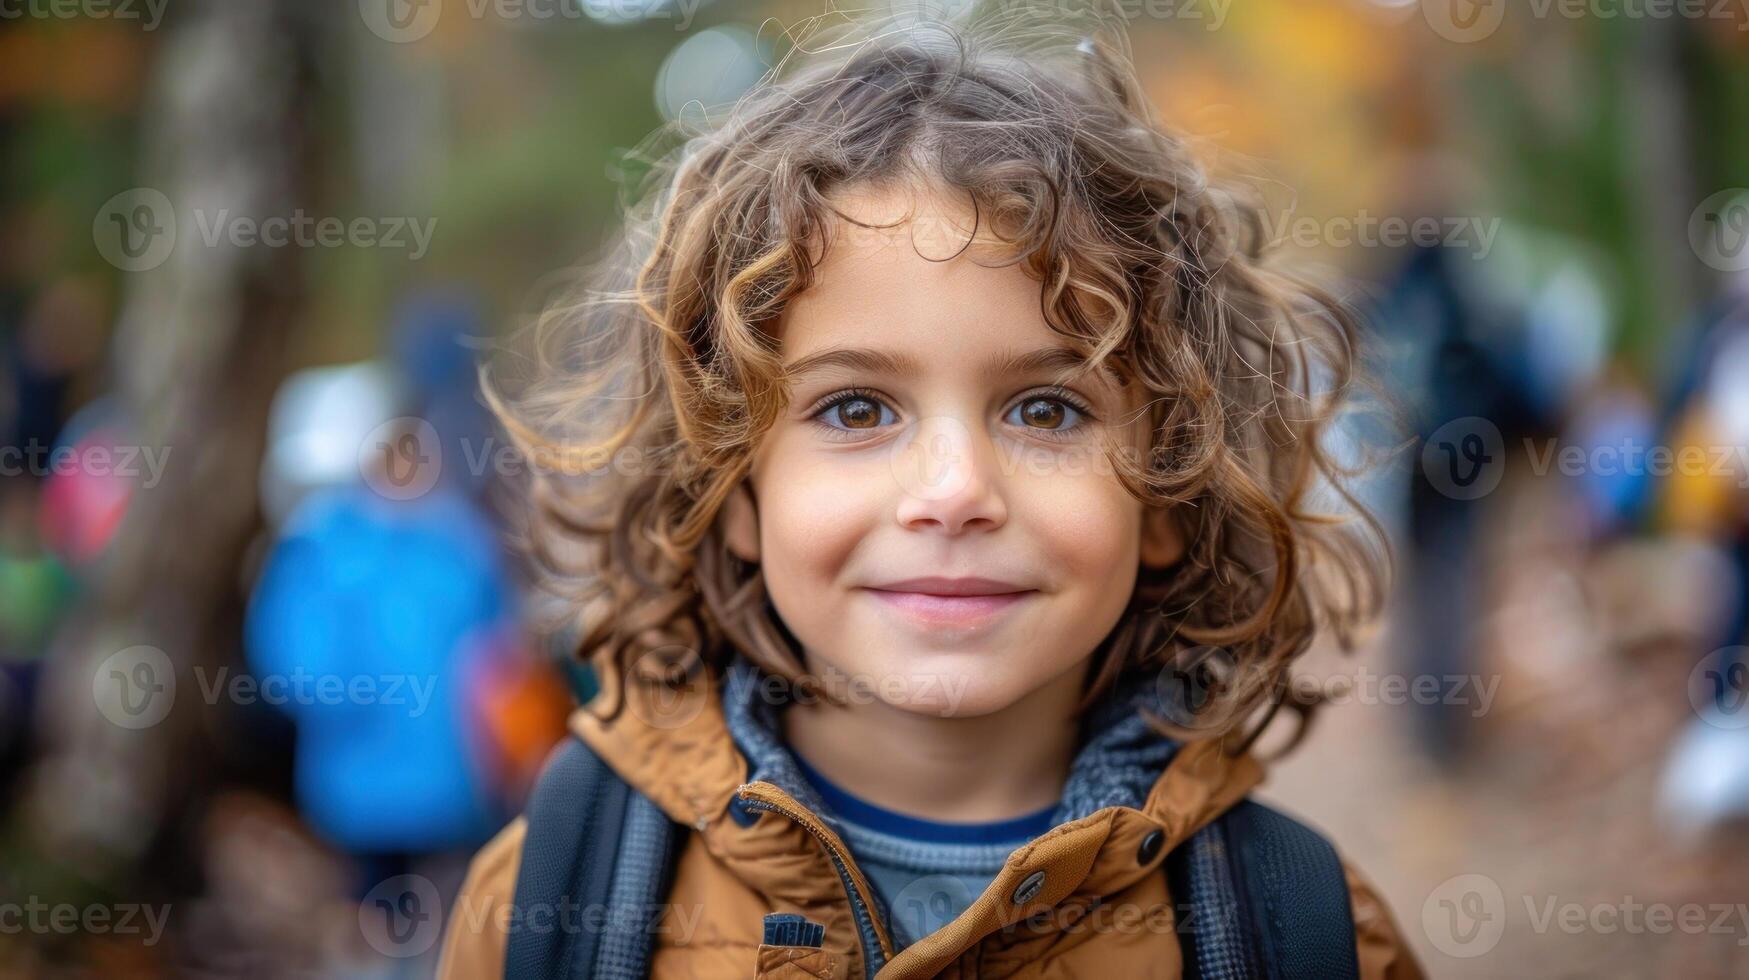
[951,610]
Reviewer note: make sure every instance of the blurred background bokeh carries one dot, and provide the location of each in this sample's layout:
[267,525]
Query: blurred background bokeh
[269,671]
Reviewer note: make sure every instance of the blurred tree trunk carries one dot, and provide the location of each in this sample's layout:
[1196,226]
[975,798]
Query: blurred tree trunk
[200,350]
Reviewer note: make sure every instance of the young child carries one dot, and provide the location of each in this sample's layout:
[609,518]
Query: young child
[934,460]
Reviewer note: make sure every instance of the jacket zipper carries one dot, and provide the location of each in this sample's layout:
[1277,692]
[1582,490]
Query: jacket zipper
[873,953]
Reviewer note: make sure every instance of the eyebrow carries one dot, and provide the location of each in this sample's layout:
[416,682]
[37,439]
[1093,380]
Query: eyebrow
[874,361]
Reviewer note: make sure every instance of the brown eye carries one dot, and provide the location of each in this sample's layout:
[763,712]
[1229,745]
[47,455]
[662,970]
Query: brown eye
[1043,413]
[859,413]
[852,411]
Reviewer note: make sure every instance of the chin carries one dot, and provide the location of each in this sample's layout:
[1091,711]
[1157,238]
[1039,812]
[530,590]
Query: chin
[957,684]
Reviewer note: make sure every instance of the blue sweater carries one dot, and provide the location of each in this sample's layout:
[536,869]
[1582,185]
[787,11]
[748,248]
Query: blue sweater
[926,871]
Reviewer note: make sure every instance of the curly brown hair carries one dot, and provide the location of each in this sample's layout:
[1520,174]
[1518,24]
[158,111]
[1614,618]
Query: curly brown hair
[650,389]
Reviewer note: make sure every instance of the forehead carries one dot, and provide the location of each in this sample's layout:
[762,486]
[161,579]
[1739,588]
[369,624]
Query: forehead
[927,282]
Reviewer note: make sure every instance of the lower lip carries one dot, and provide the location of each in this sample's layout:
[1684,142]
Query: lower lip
[951,610]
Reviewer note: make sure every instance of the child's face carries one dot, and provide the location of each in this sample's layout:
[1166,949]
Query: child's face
[946,465]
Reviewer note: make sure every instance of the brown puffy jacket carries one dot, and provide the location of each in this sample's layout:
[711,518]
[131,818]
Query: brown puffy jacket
[683,757]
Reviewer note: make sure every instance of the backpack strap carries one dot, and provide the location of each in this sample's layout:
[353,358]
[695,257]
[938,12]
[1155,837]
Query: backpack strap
[1266,896]
[596,860]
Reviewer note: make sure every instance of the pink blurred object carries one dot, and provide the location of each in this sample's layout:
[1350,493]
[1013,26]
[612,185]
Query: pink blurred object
[85,495]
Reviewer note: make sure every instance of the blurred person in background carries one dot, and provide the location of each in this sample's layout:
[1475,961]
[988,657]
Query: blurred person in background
[384,613]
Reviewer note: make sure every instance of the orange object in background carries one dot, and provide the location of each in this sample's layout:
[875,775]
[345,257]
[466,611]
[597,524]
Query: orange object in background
[518,704]
[1700,499]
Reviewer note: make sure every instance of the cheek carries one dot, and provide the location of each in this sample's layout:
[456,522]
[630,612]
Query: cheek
[1091,527]
[814,508]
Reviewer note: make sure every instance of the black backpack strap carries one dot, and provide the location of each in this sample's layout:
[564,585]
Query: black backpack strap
[1263,896]
[649,850]
[596,858]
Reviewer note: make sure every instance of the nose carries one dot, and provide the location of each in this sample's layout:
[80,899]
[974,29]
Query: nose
[948,479]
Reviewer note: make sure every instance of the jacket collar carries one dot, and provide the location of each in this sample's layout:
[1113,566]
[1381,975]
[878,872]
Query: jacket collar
[1120,759]
[689,749]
